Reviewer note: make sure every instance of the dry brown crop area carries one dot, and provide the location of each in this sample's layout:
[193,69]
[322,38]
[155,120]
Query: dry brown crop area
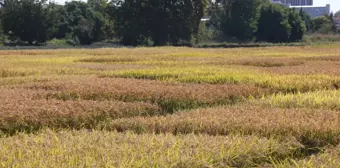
[170,107]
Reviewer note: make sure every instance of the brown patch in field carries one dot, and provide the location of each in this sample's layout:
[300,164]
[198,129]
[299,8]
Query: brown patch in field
[111,59]
[169,96]
[309,68]
[22,107]
[104,67]
[311,127]
[268,62]
[244,61]
[47,111]
[112,88]
[324,58]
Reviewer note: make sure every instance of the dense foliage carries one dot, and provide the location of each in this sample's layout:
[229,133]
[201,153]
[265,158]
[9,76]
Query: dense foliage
[27,20]
[162,21]
[155,22]
[84,24]
[237,18]
[337,14]
[273,24]
[258,19]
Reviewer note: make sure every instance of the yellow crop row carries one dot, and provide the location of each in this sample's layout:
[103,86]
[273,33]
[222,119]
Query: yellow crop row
[326,99]
[125,150]
[230,75]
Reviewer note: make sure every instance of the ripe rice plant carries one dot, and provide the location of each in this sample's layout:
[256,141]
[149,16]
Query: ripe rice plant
[32,114]
[110,149]
[170,107]
[310,127]
[329,158]
[314,100]
[170,97]
[221,75]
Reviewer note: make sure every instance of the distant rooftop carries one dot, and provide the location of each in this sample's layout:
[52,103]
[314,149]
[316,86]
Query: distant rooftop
[294,2]
[315,11]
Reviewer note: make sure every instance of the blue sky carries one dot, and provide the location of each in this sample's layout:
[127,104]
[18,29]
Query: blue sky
[335,4]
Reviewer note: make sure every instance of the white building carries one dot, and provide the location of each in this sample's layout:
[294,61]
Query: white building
[307,6]
[315,11]
[294,2]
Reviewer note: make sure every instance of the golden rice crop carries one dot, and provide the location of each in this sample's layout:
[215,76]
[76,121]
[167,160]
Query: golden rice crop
[110,67]
[195,59]
[233,75]
[269,62]
[110,149]
[324,58]
[314,100]
[169,96]
[208,65]
[308,68]
[111,59]
[310,127]
[4,73]
[136,89]
[15,81]
[21,111]
[70,114]
[327,159]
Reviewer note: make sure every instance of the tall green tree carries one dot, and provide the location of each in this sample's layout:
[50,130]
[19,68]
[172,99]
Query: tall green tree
[179,21]
[298,27]
[236,18]
[27,20]
[84,24]
[307,19]
[130,24]
[322,24]
[162,21]
[102,7]
[331,18]
[57,23]
[273,23]
[337,14]
[98,5]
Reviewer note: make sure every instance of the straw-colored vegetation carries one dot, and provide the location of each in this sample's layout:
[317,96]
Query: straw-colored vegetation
[169,97]
[310,127]
[170,107]
[329,99]
[327,159]
[111,149]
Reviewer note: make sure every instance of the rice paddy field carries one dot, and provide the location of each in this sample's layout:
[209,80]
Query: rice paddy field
[171,107]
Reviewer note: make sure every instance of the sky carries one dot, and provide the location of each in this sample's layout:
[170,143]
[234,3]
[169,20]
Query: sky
[335,4]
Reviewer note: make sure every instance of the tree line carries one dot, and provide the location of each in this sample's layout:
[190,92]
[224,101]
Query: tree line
[154,22]
[259,20]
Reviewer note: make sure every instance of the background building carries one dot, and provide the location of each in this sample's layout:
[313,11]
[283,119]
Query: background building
[295,2]
[337,21]
[307,6]
[314,11]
